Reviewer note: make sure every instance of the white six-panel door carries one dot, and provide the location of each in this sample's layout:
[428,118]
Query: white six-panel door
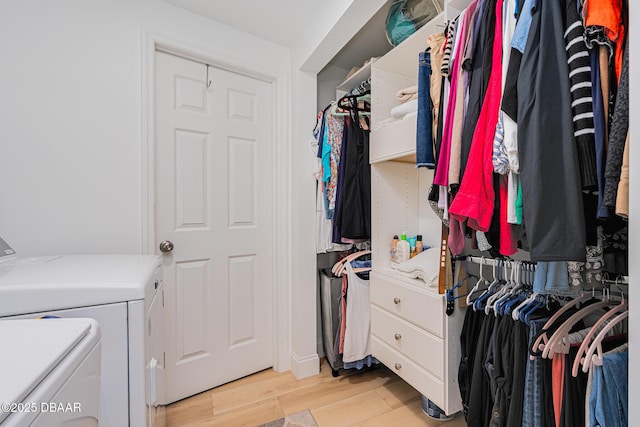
[214,184]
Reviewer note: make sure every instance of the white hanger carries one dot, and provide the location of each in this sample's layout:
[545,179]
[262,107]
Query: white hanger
[558,342]
[542,339]
[594,355]
[597,327]
[512,286]
[477,285]
[338,268]
[497,295]
[493,287]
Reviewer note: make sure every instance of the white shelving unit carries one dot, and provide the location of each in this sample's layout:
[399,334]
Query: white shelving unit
[411,333]
[355,79]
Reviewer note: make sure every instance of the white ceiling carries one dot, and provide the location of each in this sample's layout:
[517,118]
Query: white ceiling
[281,21]
[278,21]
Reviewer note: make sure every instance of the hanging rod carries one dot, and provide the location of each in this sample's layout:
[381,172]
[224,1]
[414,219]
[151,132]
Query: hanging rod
[488,261]
[620,280]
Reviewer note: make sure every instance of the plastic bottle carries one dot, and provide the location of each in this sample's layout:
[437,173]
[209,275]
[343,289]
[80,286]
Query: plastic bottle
[419,246]
[404,249]
[412,246]
[394,249]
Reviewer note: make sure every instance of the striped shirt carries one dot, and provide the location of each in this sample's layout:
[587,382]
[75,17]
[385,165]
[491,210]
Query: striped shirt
[450,33]
[581,99]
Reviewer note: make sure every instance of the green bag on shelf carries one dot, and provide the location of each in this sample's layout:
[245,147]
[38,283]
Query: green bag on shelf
[405,17]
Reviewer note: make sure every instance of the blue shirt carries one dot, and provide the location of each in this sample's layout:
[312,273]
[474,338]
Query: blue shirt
[520,35]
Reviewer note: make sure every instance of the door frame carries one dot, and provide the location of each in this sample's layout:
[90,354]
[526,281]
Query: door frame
[281,167]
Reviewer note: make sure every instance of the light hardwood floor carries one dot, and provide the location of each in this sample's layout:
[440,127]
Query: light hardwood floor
[376,397]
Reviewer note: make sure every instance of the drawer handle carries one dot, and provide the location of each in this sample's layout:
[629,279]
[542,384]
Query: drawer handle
[396,300]
[398,366]
[397,337]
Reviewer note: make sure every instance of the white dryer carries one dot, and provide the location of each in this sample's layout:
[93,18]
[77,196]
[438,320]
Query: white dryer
[124,294]
[50,372]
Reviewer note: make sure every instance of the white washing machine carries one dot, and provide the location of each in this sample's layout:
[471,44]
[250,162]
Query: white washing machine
[50,372]
[124,294]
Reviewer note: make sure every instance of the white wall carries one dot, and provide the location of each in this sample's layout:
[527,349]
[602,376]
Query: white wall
[332,27]
[73,124]
[70,116]
[328,79]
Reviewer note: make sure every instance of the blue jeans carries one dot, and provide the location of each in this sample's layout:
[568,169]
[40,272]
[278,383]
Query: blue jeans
[552,278]
[424,137]
[609,400]
[531,414]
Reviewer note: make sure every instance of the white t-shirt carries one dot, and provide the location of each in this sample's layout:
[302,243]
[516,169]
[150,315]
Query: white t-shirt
[357,343]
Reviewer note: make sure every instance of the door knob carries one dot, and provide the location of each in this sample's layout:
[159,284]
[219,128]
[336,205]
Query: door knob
[166,246]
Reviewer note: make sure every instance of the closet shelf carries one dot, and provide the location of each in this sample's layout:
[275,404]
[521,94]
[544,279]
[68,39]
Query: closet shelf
[395,141]
[403,59]
[358,77]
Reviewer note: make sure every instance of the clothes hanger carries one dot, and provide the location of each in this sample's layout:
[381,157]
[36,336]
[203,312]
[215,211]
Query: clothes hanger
[362,88]
[450,293]
[335,112]
[514,285]
[479,303]
[594,354]
[462,281]
[364,96]
[476,287]
[353,99]
[541,339]
[504,290]
[339,267]
[539,300]
[558,342]
[597,327]
[505,293]
[531,299]
[525,315]
[502,305]
[521,296]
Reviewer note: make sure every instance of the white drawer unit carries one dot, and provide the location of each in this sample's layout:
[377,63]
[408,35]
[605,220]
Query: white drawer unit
[412,335]
[424,348]
[410,330]
[409,371]
[411,300]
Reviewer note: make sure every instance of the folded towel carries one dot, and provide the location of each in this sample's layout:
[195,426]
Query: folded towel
[404,109]
[425,266]
[407,94]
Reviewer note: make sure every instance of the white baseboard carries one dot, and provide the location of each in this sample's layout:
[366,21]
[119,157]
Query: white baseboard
[303,367]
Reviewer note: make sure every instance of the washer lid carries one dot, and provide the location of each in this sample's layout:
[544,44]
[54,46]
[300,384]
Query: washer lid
[31,350]
[38,284]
